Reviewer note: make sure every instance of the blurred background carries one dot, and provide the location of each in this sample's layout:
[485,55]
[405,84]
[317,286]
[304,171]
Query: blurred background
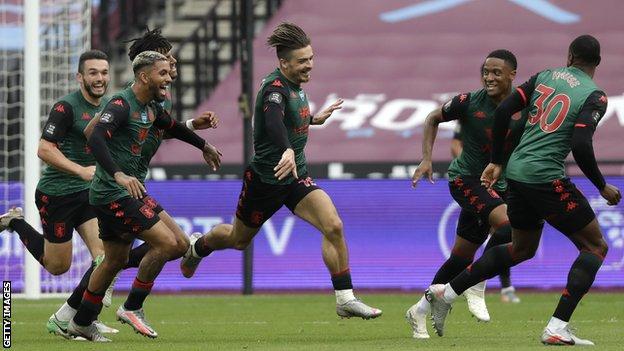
[392,62]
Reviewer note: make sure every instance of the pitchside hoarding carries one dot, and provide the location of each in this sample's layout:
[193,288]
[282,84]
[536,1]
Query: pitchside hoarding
[397,237]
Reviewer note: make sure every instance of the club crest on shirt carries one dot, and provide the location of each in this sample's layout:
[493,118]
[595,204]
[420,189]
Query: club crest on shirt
[302,95]
[144,117]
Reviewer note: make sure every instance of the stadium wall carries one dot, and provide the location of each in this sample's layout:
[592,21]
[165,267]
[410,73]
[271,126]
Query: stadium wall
[397,238]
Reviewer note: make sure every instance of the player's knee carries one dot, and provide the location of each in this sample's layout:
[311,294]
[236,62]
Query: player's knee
[114,264]
[523,254]
[333,228]
[599,248]
[241,244]
[58,267]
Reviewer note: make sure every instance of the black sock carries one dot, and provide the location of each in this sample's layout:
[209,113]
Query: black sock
[136,255]
[580,279]
[342,280]
[502,235]
[76,297]
[138,294]
[490,264]
[201,248]
[90,308]
[31,238]
[451,268]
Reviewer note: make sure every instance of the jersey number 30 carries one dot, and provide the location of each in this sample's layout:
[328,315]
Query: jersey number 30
[543,113]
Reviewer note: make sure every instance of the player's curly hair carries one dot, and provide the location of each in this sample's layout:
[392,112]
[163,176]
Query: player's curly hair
[287,37]
[152,40]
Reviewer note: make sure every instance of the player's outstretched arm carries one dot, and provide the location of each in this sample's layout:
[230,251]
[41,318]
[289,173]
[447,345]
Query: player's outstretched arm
[431,131]
[322,116]
[59,122]
[180,132]
[206,120]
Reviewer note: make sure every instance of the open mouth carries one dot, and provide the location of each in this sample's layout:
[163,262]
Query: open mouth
[162,90]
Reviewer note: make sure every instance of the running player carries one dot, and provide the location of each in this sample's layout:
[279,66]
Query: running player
[508,292]
[481,209]
[116,194]
[566,106]
[278,173]
[62,192]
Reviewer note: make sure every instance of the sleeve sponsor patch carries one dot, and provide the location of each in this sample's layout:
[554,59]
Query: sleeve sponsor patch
[106,117]
[49,129]
[276,98]
[596,116]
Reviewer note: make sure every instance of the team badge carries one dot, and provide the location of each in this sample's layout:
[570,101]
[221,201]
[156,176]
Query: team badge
[302,95]
[144,117]
[50,128]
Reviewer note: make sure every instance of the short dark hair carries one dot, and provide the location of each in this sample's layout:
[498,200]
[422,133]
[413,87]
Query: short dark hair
[152,40]
[504,55]
[585,50]
[287,37]
[146,59]
[90,55]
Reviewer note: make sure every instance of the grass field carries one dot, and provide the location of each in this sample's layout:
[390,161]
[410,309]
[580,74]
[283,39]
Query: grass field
[308,322]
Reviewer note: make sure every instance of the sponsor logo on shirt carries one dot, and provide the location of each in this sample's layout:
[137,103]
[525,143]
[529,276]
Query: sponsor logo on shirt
[480,114]
[86,116]
[59,108]
[277,83]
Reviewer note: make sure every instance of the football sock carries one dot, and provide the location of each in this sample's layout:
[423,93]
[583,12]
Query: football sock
[136,255]
[580,279]
[201,249]
[502,235]
[90,308]
[342,280]
[423,305]
[66,312]
[451,267]
[344,296]
[137,294]
[490,264]
[76,297]
[29,237]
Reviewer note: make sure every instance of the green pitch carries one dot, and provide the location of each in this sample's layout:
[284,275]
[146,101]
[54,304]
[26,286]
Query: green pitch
[308,322]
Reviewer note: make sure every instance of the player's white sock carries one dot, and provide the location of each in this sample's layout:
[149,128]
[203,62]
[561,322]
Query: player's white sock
[449,294]
[65,313]
[344,296]
[423,305]
[556,324]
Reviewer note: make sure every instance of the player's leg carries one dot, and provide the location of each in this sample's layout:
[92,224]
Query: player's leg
[163,247]
[577,220]
[257,202]
[313,205]
[501,234]
[527,228]
[116,255]
[33,241]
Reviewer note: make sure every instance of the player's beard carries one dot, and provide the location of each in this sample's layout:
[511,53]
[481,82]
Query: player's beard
[89,90]
[156,93]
